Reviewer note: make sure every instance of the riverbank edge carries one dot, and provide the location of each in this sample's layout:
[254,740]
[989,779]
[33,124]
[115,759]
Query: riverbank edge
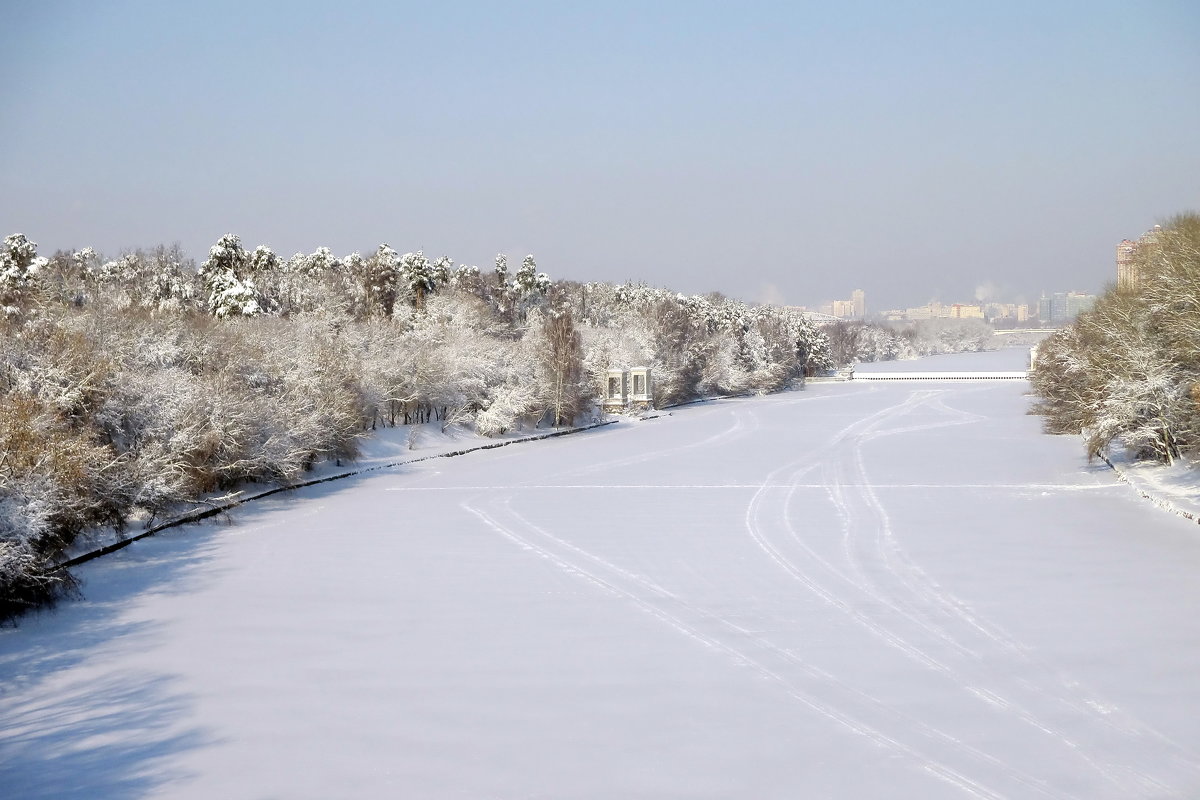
[220,508]
[1165,503]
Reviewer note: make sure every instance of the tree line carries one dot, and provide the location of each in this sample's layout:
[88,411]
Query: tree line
[852,342]
[1127,373]
[130,387]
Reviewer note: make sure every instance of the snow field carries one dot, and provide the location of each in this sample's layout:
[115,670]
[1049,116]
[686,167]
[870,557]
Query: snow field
[885,590]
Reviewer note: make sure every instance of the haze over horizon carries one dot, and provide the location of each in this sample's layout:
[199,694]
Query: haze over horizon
[775,152]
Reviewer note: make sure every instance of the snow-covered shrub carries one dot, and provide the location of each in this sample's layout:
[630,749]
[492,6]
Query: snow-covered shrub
[55,482]
[507,405]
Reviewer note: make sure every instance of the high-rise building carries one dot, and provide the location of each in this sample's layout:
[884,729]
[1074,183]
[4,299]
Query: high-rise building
[854,308]
[1126,271]
[858,301]
[1127,266]
[843,309]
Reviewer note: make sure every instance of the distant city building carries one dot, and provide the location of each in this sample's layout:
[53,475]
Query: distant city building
[1127,270]
[858,302]
[1004,314]
[962,311]
[854,308]
[843,309]
[932,310]
[1062,307]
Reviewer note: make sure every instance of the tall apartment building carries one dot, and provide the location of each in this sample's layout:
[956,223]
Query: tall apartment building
[1127,270]
[854,308]
[842,309]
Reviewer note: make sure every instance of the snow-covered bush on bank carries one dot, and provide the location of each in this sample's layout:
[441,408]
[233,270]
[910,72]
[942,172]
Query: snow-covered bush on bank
[134,385]
[1128,371]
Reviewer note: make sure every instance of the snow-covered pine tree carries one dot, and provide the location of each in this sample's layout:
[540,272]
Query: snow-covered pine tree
[382,281]
[528,287]
[467,279]
[418,276]
[228,295]
[442,269]
[19,267]
[265,269]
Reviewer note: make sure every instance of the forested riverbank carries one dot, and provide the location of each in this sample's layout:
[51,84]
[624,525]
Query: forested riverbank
[136,384]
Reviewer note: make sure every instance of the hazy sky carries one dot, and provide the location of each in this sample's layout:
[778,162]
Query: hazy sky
[773,151]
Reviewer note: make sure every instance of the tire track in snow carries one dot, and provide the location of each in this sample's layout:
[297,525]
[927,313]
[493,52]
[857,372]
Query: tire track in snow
[895,561]
[739,656]
[915,579]
[737,428]
[888,634]
[811,670]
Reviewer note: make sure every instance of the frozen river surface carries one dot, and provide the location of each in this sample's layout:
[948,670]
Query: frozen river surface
[862,590]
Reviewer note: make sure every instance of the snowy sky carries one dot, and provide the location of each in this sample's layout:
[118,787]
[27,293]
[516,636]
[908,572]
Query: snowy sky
[783,151]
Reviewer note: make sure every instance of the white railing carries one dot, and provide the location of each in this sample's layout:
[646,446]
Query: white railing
[940,376]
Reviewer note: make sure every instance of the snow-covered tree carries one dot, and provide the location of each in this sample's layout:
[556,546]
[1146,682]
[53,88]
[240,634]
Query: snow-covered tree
[228,294]
[418,276]
[382,278]
[19,268]
[528,287]
[442,269]
[467,279]
[561,357]
[1128,371]
[263,261]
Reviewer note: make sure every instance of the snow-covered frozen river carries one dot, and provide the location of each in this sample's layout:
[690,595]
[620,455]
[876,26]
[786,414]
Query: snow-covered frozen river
[862,590]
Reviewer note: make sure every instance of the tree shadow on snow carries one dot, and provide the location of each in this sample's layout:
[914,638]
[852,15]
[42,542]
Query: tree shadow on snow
[72,727]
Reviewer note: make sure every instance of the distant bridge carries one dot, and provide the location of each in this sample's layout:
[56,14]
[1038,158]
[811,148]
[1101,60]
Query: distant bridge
[1006,332]
[940,376]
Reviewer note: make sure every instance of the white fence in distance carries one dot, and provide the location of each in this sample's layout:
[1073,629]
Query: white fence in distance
[940,376]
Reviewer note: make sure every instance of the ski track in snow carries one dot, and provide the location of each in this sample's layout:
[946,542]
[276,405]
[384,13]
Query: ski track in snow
[927,594]
[911,594]
[739,655]
[920,619]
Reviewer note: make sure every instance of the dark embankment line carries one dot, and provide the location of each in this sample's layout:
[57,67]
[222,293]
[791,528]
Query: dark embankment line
[1163,503]
[198,516]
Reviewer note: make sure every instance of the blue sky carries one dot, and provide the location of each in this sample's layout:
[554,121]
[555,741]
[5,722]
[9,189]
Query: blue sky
[784,151]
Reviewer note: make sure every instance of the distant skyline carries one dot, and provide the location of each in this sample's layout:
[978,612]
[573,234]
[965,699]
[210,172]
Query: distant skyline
[784,152]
